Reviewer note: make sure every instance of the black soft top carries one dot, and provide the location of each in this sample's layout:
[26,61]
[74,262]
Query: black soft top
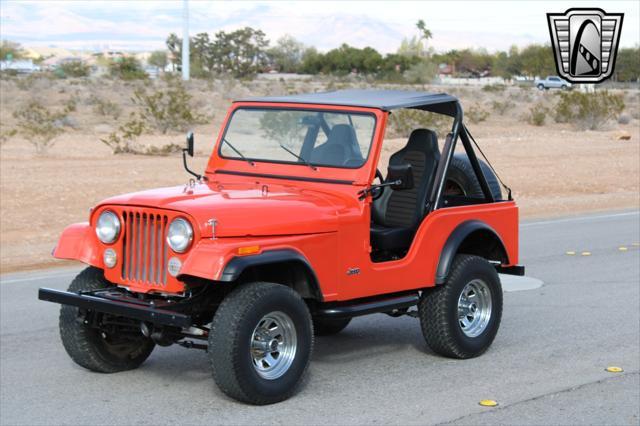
[385,100]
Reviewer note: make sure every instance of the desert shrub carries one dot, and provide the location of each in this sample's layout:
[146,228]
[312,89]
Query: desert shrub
[537,115]
[38,125]
[26,83]
[105,107]
[5,135]
[403,121]
[123,141]
[71,105]
[420,73]
[126,68]
[494,88]
[73,69]
[476,114]
[624,119]
[168,108]
[502,107]
[588,110]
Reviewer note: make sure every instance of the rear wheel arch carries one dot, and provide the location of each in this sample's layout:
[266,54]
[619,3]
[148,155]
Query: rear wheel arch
[473,237]
[282,266]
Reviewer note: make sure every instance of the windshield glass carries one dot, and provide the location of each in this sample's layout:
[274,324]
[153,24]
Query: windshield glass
[305,137]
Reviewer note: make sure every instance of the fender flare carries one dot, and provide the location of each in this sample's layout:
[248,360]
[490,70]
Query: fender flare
[455,240]
[234,268]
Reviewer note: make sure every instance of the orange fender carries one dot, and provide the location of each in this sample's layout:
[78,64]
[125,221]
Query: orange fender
[79,242]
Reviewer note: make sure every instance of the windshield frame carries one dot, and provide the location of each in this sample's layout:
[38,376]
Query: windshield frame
[338,110]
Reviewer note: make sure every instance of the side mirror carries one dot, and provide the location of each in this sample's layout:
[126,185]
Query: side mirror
[189,148]
[400,177]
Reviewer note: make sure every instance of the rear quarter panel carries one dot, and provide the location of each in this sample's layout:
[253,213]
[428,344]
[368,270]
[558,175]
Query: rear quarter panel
[418,268]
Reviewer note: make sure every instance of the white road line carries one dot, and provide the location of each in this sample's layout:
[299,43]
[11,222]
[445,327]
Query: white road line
[578,219]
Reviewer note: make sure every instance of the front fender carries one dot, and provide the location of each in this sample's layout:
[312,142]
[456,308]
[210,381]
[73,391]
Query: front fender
[219,261]
[78,242]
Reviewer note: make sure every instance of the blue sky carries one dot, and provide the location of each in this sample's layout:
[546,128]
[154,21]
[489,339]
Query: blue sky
[144,25]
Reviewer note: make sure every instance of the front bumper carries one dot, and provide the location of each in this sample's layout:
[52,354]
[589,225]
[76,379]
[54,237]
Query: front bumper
[109,303]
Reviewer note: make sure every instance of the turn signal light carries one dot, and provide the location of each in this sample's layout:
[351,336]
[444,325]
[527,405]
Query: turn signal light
[248,250]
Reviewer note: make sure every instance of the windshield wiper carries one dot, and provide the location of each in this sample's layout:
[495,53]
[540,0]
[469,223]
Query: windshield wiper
[298,157]
[237,152]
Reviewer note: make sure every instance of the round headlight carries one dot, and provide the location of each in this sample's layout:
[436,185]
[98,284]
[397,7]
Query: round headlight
[108,227]
[180,235]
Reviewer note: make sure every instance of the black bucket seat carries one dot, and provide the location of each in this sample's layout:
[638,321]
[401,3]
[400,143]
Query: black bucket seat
[396,215]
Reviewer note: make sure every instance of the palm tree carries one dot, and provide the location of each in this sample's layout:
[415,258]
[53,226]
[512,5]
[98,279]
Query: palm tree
[425,33]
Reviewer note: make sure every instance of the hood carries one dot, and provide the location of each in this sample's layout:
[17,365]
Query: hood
[244,209]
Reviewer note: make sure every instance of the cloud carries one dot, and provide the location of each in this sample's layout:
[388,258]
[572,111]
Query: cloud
[143,25]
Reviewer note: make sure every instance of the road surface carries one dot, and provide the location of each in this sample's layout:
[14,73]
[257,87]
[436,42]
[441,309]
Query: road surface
[546,366]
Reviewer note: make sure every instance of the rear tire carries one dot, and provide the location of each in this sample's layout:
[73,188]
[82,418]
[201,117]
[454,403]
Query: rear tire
[461,318]
[260,343]
[329,326]
[98,350]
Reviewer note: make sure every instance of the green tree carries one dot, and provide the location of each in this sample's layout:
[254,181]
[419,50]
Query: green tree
[628,64]
[241,52]
[126,68]
[10,49]
[312,61]
[174,44]
[158,59]
[537,60]
[425,33]
[74,69]
[286,55]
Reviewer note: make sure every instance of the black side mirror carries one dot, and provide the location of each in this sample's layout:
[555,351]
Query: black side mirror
[189,148]
[400,177]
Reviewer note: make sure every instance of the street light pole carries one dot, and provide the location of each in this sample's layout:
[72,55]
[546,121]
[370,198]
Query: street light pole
[185,41]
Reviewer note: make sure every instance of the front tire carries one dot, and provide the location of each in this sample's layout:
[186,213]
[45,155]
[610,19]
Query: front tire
[541,87]
[260,343]
[460,319]
[103,350]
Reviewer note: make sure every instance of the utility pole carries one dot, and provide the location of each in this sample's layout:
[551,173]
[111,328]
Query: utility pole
[185,41]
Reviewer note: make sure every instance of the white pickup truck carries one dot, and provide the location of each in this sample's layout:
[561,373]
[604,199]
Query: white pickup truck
[552,82]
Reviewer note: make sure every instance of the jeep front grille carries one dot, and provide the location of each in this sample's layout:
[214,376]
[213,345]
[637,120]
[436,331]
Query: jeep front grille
[144,249]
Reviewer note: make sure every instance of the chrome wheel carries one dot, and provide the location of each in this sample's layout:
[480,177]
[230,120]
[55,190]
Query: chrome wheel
[474,308]
[273,345]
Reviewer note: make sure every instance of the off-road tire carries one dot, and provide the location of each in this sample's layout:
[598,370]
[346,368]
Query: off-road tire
[438,310]
[85,344]
[329,326]
[461,173]
[230,342]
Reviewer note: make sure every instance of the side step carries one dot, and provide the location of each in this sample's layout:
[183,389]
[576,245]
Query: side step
[343,310]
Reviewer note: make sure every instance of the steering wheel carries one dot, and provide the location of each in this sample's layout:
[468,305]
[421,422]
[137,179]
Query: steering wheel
[377,192]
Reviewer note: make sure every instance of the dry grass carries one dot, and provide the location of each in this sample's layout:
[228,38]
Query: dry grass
[554,169]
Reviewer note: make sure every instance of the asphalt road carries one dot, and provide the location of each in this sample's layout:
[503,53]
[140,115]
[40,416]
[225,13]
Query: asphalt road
[545,367]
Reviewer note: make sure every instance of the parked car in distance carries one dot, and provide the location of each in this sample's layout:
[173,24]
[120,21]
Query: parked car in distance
[552,82]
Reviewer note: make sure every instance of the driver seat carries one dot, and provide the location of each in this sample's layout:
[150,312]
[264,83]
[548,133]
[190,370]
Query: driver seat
[340,148]
[397,214]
